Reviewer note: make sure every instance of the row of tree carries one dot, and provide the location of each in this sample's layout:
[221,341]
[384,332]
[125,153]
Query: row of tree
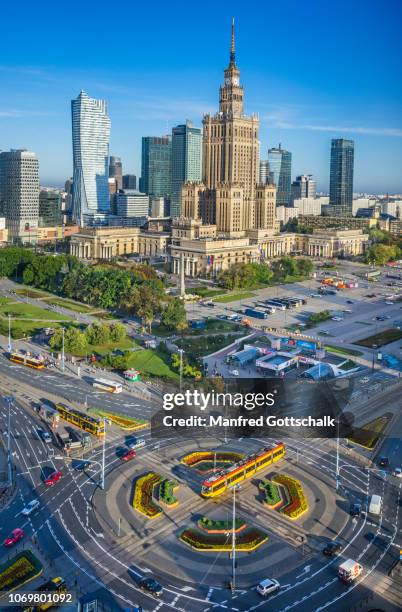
[255,275]
[137,291]
[77,340]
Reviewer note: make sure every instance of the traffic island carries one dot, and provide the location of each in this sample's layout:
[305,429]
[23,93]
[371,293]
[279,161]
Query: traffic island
[247,540]
[206,461]
[151,487]
[19,570]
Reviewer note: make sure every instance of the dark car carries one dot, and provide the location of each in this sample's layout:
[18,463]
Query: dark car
[332,548]
[349,301]
[383,462]
[355,509]
[152,586]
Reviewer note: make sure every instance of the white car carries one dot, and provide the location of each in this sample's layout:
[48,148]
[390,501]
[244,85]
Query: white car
[364,380]
[268,586]
[337,318]
[398,472]
[234,372]
[390,303]
[135,443]
[316,295]
[31,507]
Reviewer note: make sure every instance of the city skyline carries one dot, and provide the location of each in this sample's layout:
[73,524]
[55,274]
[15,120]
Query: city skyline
[304,98]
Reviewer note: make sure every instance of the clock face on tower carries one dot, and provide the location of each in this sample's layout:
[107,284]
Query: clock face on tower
[231,81]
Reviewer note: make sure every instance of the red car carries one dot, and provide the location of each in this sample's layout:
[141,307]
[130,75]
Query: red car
[15,537]
[128,455]
[53,478]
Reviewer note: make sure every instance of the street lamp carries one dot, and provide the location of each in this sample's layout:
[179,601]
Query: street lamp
[374,346]
[233,583]
[9,333]
[9,399]
[62,349]
[103,455]
[337,454]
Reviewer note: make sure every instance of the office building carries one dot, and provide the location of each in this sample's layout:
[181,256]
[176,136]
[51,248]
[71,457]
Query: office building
[132,203]
[19,194]
[116,171]
[156,166]
[303,187]
[280,169]
[264,172]
[91,134]
[186,161]
[129,181]
[341,177]
[50,211]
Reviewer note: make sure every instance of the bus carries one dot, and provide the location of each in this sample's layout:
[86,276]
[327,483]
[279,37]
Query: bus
[27,360]
[247,467]
[82,420]
[107,385]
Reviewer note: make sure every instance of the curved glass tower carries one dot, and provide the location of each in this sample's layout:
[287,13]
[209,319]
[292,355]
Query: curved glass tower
[91,133]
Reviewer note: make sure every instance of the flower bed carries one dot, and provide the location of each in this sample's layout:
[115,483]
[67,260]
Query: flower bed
[246,541]
[143,495]
[221,459]
[166,492]
[271,492]
[214,526]
[122,420]
[18,570]
[297,500]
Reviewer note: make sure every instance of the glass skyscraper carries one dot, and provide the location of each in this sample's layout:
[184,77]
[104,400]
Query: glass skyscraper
[156,159]
[341,177]
[280,168]
[186,161]
[91,134]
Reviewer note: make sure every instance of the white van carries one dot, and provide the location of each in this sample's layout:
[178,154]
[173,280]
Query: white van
[375,504]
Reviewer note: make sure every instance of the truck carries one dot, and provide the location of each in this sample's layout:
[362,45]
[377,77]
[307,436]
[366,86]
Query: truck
[349,570]
[257,314]
[375,504]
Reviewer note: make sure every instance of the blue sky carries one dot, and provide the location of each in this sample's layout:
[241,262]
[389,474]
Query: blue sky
[313,70]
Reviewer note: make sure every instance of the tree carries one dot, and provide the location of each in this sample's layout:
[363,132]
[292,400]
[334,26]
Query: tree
[118,332]
[174,315]
[305,266]
[75,340]
[98,333]
[382,253]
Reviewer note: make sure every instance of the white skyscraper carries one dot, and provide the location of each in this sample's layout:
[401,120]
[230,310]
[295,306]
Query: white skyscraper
[91,133]
[19,193]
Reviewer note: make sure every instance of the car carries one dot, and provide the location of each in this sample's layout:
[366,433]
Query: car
[337,318]
[152,586]
[134,443]
[349,301]
[397,472]
[268,586]
[389,303]
[315,295]
[31,507]
[128,455]
[383,462]
[364,380]
[323,332]
[355,509]
[332,548]
[46,437]
[53,478]
[15,536]
[234,372]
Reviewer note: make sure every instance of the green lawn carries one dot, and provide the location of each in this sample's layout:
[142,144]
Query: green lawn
[206,291]
[233,297]
[385,337]
[149,363]
[27,311]
[103,349]
[23,328]
[32,293]
[200,347]
[369,435]
[342,350]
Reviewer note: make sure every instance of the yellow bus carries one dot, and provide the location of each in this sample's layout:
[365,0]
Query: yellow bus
[26,360]
[82,420]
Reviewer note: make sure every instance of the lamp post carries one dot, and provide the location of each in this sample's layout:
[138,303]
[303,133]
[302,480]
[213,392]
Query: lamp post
[374,346]
[233,583]
[103,455]
[62,349]
[337,454]
[9,399]
[9,334]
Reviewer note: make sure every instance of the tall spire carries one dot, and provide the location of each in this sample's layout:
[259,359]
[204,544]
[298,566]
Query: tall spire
[232,46]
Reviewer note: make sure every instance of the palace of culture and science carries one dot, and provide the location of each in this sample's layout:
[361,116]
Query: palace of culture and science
[228,218]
